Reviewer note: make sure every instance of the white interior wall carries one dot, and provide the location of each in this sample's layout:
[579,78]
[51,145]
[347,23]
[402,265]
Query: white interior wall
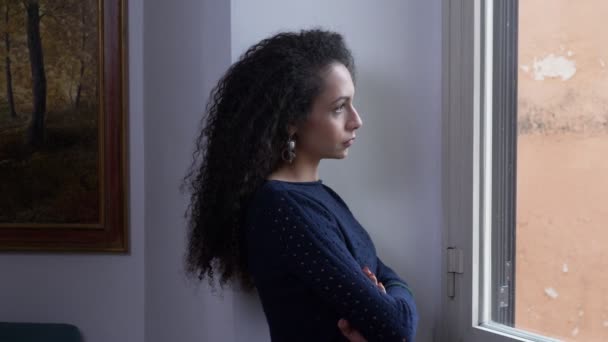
[177,50]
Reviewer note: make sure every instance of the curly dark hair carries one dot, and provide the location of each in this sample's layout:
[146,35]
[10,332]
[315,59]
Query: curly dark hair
[271,86]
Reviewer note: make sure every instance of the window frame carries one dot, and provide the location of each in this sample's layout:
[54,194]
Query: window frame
[477,192]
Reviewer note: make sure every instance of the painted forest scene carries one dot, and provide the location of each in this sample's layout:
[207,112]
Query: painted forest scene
[49,111]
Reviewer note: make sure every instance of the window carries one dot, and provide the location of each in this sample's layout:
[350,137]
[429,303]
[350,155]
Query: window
[525,170]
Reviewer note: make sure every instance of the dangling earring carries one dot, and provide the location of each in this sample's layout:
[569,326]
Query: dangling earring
[290,150]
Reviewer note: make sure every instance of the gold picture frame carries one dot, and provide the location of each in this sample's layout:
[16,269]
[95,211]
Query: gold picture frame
[105,229]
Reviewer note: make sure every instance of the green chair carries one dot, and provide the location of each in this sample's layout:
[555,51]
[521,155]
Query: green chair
[39,332]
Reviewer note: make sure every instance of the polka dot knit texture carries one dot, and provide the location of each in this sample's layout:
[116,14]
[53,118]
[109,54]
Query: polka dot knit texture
[306,255]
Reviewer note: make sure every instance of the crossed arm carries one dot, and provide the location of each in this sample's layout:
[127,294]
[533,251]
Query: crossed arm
[311,250]
[385,276]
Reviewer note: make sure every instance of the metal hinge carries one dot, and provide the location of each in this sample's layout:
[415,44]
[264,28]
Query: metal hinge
[455,266]
[503,296]
[503,290]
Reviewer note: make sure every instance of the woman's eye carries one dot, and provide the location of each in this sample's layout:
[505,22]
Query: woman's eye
[339,109]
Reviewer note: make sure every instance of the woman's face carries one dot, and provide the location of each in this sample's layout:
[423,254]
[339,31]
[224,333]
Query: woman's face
[333,118]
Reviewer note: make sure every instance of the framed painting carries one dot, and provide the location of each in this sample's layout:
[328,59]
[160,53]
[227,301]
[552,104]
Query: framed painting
[63,155]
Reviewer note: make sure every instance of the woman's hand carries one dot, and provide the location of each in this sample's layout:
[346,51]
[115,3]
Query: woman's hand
[349,332]
[372,276]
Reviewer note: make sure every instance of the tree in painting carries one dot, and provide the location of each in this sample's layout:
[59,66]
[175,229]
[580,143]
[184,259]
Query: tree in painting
[49,107]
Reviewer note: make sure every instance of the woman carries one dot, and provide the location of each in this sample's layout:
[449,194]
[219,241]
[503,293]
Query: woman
[260,214]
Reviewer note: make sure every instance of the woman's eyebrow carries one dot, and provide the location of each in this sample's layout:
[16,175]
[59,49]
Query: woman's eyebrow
[341,98]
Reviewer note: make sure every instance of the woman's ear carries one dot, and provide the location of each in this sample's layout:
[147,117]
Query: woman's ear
[292,130]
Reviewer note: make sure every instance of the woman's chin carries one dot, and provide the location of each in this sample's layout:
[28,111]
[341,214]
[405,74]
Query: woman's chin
[340,154]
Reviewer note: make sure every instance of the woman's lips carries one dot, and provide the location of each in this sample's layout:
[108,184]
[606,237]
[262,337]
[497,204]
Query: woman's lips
[349,142]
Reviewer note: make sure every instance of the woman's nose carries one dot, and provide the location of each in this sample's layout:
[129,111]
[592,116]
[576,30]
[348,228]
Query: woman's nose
[356,121]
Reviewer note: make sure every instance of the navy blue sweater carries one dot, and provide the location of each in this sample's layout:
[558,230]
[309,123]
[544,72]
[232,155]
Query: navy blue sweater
[306,255]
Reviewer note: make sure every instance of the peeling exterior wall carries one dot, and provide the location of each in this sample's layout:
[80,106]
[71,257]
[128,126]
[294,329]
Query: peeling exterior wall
[562,189]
